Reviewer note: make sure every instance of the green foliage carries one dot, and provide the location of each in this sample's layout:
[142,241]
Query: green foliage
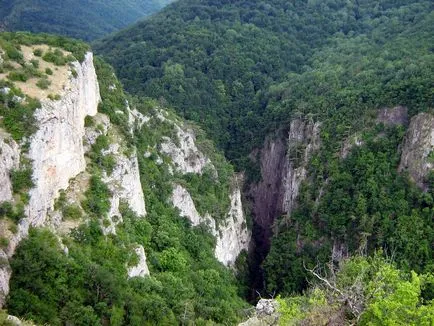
[14,40]
[43,83]
[82,19]
[242,68]
[365,205]
[21,180]
[48,71]
[14,212]
[57,57]
[54,97]
[38,52]
[97,197]
[385,296]
[72,212]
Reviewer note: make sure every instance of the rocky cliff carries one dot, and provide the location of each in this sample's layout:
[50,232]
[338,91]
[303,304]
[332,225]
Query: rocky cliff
[417,156]
[186,158]
[283,162]
[56,151]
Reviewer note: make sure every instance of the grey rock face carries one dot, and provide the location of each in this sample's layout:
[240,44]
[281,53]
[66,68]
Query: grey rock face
[417,149]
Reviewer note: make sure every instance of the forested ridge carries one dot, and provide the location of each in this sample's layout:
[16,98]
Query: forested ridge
[219,61]
[82,19]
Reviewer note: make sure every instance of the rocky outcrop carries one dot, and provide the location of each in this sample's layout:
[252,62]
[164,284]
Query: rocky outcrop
[417,156]
[56,150]
[266,314]
[9,160]
[303,140]
[141,269]
[233,236]
[124,185]
[393,116]
[182,200]
[185,155]
[283,162]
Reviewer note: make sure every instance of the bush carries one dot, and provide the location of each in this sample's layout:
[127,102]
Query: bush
[21,180]
[43,83]
[71,212]
[54,97]
[35,63]
[18,76]
[48,71]
[38,52]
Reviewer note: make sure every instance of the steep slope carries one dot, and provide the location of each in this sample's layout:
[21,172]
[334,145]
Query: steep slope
[82,19]
[89,193]
[299,95]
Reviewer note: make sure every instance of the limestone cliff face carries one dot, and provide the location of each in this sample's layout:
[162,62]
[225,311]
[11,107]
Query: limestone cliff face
[9,160]
[124,184]
[418,148]
[303,141]
[56,152]
[232,234]
[141,269]
[185,155]
[283,162]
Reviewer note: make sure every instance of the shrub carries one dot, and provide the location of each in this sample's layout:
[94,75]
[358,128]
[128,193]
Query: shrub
[21,179]
[4,242]
[54,97]
[35,63]
[38,52]
[48,71]
[18,76]
[71,212]
[43,83]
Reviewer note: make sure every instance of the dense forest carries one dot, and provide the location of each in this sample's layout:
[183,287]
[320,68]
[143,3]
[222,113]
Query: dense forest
[82,19]
[219,62]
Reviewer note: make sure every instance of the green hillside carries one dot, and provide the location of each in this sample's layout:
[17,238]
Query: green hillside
[81,19]
[216,62]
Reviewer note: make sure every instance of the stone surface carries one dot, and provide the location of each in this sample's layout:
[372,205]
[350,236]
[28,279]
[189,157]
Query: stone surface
[141,269]
[304,134]
[266,314]
[56,150]
[184,153]
[393,116]
[233,236]
[417,156]
[182,200]
[9,160]
[124,184]
[283,162]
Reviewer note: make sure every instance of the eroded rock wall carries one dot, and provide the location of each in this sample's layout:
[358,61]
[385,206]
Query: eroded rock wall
[56,151]
[417,156]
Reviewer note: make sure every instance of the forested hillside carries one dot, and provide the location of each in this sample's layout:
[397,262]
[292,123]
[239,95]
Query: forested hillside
[219,61]
[79,257]
[81,19]
[246,70]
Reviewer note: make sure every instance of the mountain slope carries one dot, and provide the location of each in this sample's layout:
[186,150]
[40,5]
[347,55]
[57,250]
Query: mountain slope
[82,19]
[112,209]
[312,99]
[217,60]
